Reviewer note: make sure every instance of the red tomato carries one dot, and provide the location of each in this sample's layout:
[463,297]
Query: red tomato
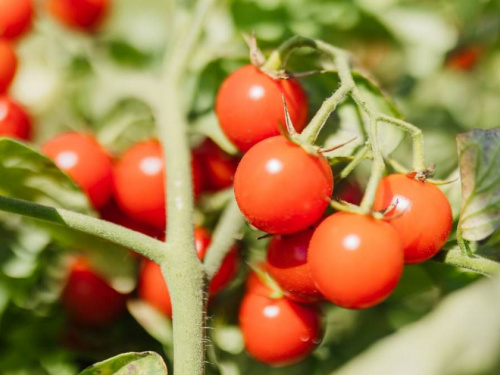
[8,65]
[14,122]
[218,167]
[89,299]
[250,108]
[356,261]
[349,191]
[423,215]
[152,287]
[278,331]
[81,14]
[15,17]
[280,188]
[139,187]
[465,58]
[85,161]
[287,265]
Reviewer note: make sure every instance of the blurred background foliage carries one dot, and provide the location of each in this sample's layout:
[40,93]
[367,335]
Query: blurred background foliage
[438,59]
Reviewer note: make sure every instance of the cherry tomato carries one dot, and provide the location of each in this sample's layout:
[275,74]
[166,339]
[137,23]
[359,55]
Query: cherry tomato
[152,287]
[15,17]
[280,188]
[8,65]
[81,14]
[287,265]
[87,163]
[89,299]
[356,261]
[250,108]
[421,216]
[139,187]
[278,331]
[465,58]
[349,191]
[218,167]
[14,122]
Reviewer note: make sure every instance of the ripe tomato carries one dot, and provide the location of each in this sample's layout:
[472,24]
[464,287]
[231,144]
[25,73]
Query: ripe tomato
[218,167]
[349,191]
[464,58]
[152,287]
[280,188]
[423,215]
[87,163]
[8,65]
[15,17]
[356,261]
[250,108]
[287,265]
[14,122]
[139,187]
[81,14]
[278,331]
[89,299]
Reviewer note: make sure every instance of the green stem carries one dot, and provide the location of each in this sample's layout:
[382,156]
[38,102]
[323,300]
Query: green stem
[144,245]
[223,238]
[456,257]
[278,58]
[360,156]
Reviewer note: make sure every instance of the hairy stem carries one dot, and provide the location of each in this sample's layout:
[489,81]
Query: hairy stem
[456,257]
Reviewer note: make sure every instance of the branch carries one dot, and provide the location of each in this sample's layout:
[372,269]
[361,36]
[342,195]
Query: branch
[456,257]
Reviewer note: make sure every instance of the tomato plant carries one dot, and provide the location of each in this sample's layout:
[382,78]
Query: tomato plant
[270,193]
[14,121]
[8,66]
[15,17]
[81,156]
[421,215]
[80,14]
[250,108]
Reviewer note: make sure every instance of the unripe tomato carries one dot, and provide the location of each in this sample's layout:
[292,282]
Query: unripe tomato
[8,65]
[422,215]
[15,17]
[153,289]
[287,265]
[250,108]
[14,122]
[356,261]
[89,299]
[139,187]
[85,161]
[218,167]
[278,331]
[81,14]
[280,188]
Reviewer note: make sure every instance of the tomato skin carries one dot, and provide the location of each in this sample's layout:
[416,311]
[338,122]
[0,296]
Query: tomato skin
[139,188]
[356,261]
[250,108]
[15,17]
[281,189]
[14,122]
[218,167]
[424,217]
[85,15]
[88,299]
[280,331]
[287,264]
[349,191]
[87,163]
[8,65]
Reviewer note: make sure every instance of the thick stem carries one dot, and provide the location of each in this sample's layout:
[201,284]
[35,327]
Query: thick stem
[144,245]
[456,257]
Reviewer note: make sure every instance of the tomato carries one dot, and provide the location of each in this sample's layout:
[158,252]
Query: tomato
[356,261]
[218,167]
[8,65]
[81,14]
[278,331]
[250,108]
[465,58]
[14,122]
[153,289]
[15,17]
[139,188]
[89,299]
[349,191]
[85,161]
[422,215]
[280,188]
[287,265]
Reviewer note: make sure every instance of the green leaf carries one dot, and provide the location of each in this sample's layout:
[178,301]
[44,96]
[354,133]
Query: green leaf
[146,363]
[27,174]
[479,161]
